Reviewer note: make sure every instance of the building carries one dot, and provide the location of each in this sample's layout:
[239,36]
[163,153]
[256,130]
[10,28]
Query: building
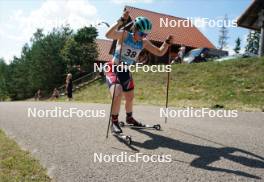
[253,18]
[103,47]
[190,36]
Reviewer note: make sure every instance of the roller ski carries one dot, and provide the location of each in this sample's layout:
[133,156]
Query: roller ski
[132,123]
[117,132]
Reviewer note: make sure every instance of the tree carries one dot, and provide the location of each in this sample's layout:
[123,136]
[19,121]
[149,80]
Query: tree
[40,66]
[70,53]
[237,47]
[223,35]
[18,80]
[252,42]
[3,80]
[48,68]
[87,49]
[37,36]
[81,49]
[44,62]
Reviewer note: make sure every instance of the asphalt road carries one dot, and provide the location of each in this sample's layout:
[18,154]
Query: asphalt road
[201,149]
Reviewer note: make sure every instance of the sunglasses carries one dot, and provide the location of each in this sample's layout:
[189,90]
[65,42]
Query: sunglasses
[142,34]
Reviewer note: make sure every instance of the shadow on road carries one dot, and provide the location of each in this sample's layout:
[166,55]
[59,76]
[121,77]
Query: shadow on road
[206,154]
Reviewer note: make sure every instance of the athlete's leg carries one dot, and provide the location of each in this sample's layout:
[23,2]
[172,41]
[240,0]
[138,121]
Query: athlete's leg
[116,94]
[117,98]
[129,97]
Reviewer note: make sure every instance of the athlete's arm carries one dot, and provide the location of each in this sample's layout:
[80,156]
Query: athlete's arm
[156,50]
[113,32]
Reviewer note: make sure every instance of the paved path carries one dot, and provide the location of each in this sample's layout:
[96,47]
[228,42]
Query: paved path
[202,149]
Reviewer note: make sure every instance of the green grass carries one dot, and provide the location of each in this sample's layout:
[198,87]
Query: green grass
[17,165]
[235,84]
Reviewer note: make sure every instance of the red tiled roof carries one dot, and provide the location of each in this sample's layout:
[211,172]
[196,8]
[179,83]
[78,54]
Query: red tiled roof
[189,36]
[249,19]
[103,47]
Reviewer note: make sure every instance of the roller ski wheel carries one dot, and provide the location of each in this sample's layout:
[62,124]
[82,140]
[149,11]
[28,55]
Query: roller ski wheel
[121,124]
[127,139]
[157,127]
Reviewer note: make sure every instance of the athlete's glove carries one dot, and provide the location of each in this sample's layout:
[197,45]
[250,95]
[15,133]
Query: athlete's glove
[125,23]
[169,40]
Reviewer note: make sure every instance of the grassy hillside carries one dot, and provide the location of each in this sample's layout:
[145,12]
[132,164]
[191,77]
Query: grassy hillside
[233,84]
[18,165]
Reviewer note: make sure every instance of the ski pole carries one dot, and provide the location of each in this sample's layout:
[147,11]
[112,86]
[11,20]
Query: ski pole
[113,97]
[168,85]
[111,108]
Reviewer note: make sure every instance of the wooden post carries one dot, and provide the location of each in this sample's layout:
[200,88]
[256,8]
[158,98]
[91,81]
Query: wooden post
[261,41]
[261,24]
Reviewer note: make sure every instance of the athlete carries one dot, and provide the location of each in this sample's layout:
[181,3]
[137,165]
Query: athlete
[133,43]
